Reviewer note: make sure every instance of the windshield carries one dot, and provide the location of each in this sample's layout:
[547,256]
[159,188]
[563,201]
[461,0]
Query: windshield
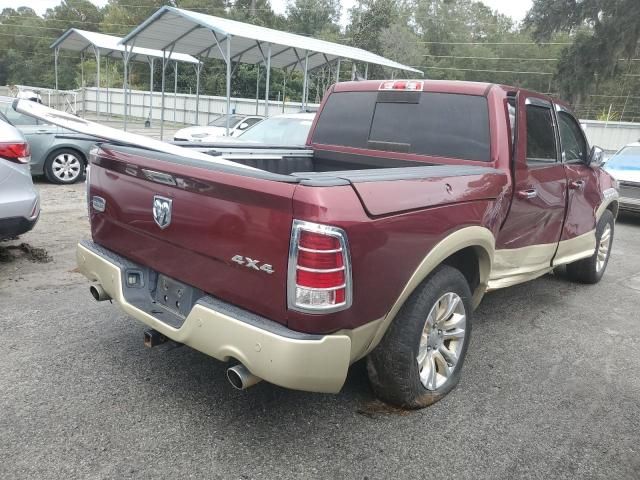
[222,121]
[626,159]
[279,131]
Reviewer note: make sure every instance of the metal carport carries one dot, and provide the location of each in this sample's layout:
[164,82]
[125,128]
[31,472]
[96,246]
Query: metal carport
[109,46]
[173,29]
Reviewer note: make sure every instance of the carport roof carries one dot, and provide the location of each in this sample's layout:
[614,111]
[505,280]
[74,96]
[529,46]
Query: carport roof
[199,34]
[110,46]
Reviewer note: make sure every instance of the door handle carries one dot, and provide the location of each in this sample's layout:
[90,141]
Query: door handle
[42,131]
[528,194]
[577,185]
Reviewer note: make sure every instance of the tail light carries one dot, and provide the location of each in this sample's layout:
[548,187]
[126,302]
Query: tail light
[319,268]
[15,152]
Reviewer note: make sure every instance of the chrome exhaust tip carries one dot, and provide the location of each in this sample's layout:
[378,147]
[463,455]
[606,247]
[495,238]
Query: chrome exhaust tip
[98,293]
[241,378]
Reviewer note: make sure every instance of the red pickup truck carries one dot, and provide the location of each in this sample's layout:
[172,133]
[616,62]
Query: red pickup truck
[411,200]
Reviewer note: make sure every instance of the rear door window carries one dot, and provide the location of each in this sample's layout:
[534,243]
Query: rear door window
[541,138]
[434,124]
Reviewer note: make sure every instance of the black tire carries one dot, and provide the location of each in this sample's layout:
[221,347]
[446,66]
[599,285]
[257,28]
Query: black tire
[393,367]
[586,270]
[53,169]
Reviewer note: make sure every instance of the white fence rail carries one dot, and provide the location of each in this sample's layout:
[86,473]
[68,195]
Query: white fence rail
[611,136]
[180,108]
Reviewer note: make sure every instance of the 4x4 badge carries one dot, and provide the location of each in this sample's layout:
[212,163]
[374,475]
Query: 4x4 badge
[251,263]
[162,211]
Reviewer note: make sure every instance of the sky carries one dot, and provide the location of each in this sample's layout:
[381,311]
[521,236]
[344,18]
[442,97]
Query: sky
[512,8]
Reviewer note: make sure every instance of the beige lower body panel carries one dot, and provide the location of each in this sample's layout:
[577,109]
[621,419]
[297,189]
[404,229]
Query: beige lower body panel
[318,365]
[582,246]
[518,265]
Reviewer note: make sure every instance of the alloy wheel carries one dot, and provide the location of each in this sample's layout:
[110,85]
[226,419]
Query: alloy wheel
[66,167]
[603,248]
[442,341]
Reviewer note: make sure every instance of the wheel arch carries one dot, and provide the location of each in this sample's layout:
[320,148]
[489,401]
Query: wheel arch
[609,202]
[614,208]
[469,249]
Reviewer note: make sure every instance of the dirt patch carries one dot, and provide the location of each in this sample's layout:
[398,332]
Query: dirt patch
[11,253]
[377,408]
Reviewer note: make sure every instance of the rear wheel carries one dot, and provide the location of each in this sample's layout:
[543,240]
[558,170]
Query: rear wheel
[64,166]
[591,270]
[420,357]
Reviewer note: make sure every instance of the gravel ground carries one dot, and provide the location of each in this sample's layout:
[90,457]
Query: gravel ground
[550,387]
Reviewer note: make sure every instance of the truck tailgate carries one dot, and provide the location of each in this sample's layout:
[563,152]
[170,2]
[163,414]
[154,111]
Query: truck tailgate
[222,229]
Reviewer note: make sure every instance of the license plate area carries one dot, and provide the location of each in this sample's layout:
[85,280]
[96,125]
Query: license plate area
[175,296]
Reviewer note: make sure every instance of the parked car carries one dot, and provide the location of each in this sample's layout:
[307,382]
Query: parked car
[19,200]
[625,168]
[416,198]
[286,130]
[217,128]
[58,154]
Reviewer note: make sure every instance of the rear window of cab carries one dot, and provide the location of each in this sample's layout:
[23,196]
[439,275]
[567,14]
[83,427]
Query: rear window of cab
[423,123]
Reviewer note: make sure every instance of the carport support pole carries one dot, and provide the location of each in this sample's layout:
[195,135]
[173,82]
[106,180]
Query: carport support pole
[305,81]
[124,85]
[257,87]
[108,101]
[198,69]
[366,71]
[338,72]
[55,68]
[151,65]
[284,89]
[56,51]
[82,86]
[228,59]
[164,66]
[97,83]
[175,89]
[266,90]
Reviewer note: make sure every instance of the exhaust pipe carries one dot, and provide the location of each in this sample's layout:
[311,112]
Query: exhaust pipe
[153,338]
[98,293]
[241,378]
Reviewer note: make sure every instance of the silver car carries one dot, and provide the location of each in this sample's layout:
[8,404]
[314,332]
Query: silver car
[624,166]
[56,153]
[19,200]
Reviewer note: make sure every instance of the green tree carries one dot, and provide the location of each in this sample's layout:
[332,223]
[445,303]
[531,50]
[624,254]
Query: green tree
[605,31]
[313,17]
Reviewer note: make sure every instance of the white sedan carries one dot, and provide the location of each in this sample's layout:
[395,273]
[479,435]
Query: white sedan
[289,129]
[217,128]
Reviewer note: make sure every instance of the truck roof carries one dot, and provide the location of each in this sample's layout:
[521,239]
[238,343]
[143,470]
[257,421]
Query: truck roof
[445,86]
[442,86]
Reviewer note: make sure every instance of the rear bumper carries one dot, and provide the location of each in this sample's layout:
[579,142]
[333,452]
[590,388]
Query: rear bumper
[12,227]
[317,363]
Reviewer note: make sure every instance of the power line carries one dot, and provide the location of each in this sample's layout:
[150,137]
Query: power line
[492,58]
[494,43]
[489,71]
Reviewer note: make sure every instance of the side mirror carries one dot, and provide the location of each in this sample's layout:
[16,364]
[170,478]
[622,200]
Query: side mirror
[243,125]
[596,157]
